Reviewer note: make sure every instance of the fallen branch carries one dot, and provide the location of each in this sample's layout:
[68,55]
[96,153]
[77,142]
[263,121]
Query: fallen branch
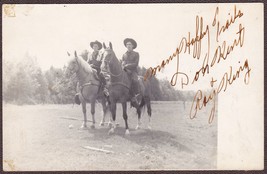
[97,149]
[72,118]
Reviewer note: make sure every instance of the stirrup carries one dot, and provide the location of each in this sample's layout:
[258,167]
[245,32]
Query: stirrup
[106,93]
[134,99]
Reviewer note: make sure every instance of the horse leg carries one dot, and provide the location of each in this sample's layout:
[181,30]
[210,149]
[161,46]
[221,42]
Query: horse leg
[149,112]
[125,117]
[110,116]
[138,126]
[103,103]
[84,115]
[113,113]
[93,114]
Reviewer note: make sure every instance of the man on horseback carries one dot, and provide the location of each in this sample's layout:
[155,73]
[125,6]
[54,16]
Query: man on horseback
[130,61]
[95,61]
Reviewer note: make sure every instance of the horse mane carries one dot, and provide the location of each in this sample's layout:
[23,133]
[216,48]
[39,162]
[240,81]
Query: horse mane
[84,65]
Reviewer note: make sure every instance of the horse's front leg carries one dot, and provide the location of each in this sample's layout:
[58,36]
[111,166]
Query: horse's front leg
[93,113]
[125,117]
[113,114]
[84,126]
[104,107]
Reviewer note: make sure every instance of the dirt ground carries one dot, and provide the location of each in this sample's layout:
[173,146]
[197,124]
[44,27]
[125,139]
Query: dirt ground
[39,138]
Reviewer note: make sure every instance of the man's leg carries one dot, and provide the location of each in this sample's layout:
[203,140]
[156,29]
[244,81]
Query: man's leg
[76,98]
[104,84]
[135,87]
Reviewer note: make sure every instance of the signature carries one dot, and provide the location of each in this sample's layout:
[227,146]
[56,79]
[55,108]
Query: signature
[194,45]
[201,100]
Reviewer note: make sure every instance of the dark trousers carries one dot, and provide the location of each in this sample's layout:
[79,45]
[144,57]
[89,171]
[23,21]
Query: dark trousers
[135,83]
[102,79]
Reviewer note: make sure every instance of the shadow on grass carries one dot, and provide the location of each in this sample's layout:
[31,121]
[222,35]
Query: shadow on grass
[142,137]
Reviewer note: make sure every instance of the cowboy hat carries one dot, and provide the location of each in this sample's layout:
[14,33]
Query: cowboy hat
[130,40]
[96,42]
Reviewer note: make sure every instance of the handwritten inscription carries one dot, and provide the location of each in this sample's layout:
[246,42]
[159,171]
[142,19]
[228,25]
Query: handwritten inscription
[201,100]
[228,22]
[198,46]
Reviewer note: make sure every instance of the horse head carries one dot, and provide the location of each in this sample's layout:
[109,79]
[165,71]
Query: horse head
[72,65]
[110,61]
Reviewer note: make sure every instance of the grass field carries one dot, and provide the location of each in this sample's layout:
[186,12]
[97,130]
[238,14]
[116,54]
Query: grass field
[37,137]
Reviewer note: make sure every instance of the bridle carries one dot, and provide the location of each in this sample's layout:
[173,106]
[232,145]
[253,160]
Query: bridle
[114,75]
[72,70]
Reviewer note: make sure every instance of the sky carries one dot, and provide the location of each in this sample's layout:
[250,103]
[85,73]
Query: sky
[49,31]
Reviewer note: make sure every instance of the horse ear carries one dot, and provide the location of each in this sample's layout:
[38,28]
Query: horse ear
[75,54]
[68,53]
[104,45]
[110,45]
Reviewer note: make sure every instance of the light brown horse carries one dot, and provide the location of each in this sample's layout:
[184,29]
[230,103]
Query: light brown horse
[119,89]
[89,87]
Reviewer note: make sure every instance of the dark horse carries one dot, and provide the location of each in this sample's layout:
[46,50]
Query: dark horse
[89,87]
[119,89]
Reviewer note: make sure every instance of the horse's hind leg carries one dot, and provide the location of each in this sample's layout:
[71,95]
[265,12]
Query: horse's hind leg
[84,116]
[93,114]
[149,112]
[125,117]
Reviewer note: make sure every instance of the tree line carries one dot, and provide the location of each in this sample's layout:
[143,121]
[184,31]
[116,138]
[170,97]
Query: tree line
[25,83]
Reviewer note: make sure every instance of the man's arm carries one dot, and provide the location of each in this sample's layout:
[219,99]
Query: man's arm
[123,60]
[135,63]
[89,58]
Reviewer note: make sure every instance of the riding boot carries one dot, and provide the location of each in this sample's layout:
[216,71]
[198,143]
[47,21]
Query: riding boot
[135,89]
[104,84]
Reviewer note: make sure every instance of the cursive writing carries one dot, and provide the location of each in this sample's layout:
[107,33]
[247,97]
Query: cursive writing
[200,100]
[185,45]
[221,52]
[198,46]
[228,22]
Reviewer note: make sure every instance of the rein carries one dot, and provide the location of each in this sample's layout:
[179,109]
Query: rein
[118,75]
[112,73]
[119,83]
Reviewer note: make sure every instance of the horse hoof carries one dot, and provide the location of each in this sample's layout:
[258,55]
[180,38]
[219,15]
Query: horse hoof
[92,126]
[137,127]
[149,127]
[109,125]
[127,132]
[83,127]
[111,131]
[101,124]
